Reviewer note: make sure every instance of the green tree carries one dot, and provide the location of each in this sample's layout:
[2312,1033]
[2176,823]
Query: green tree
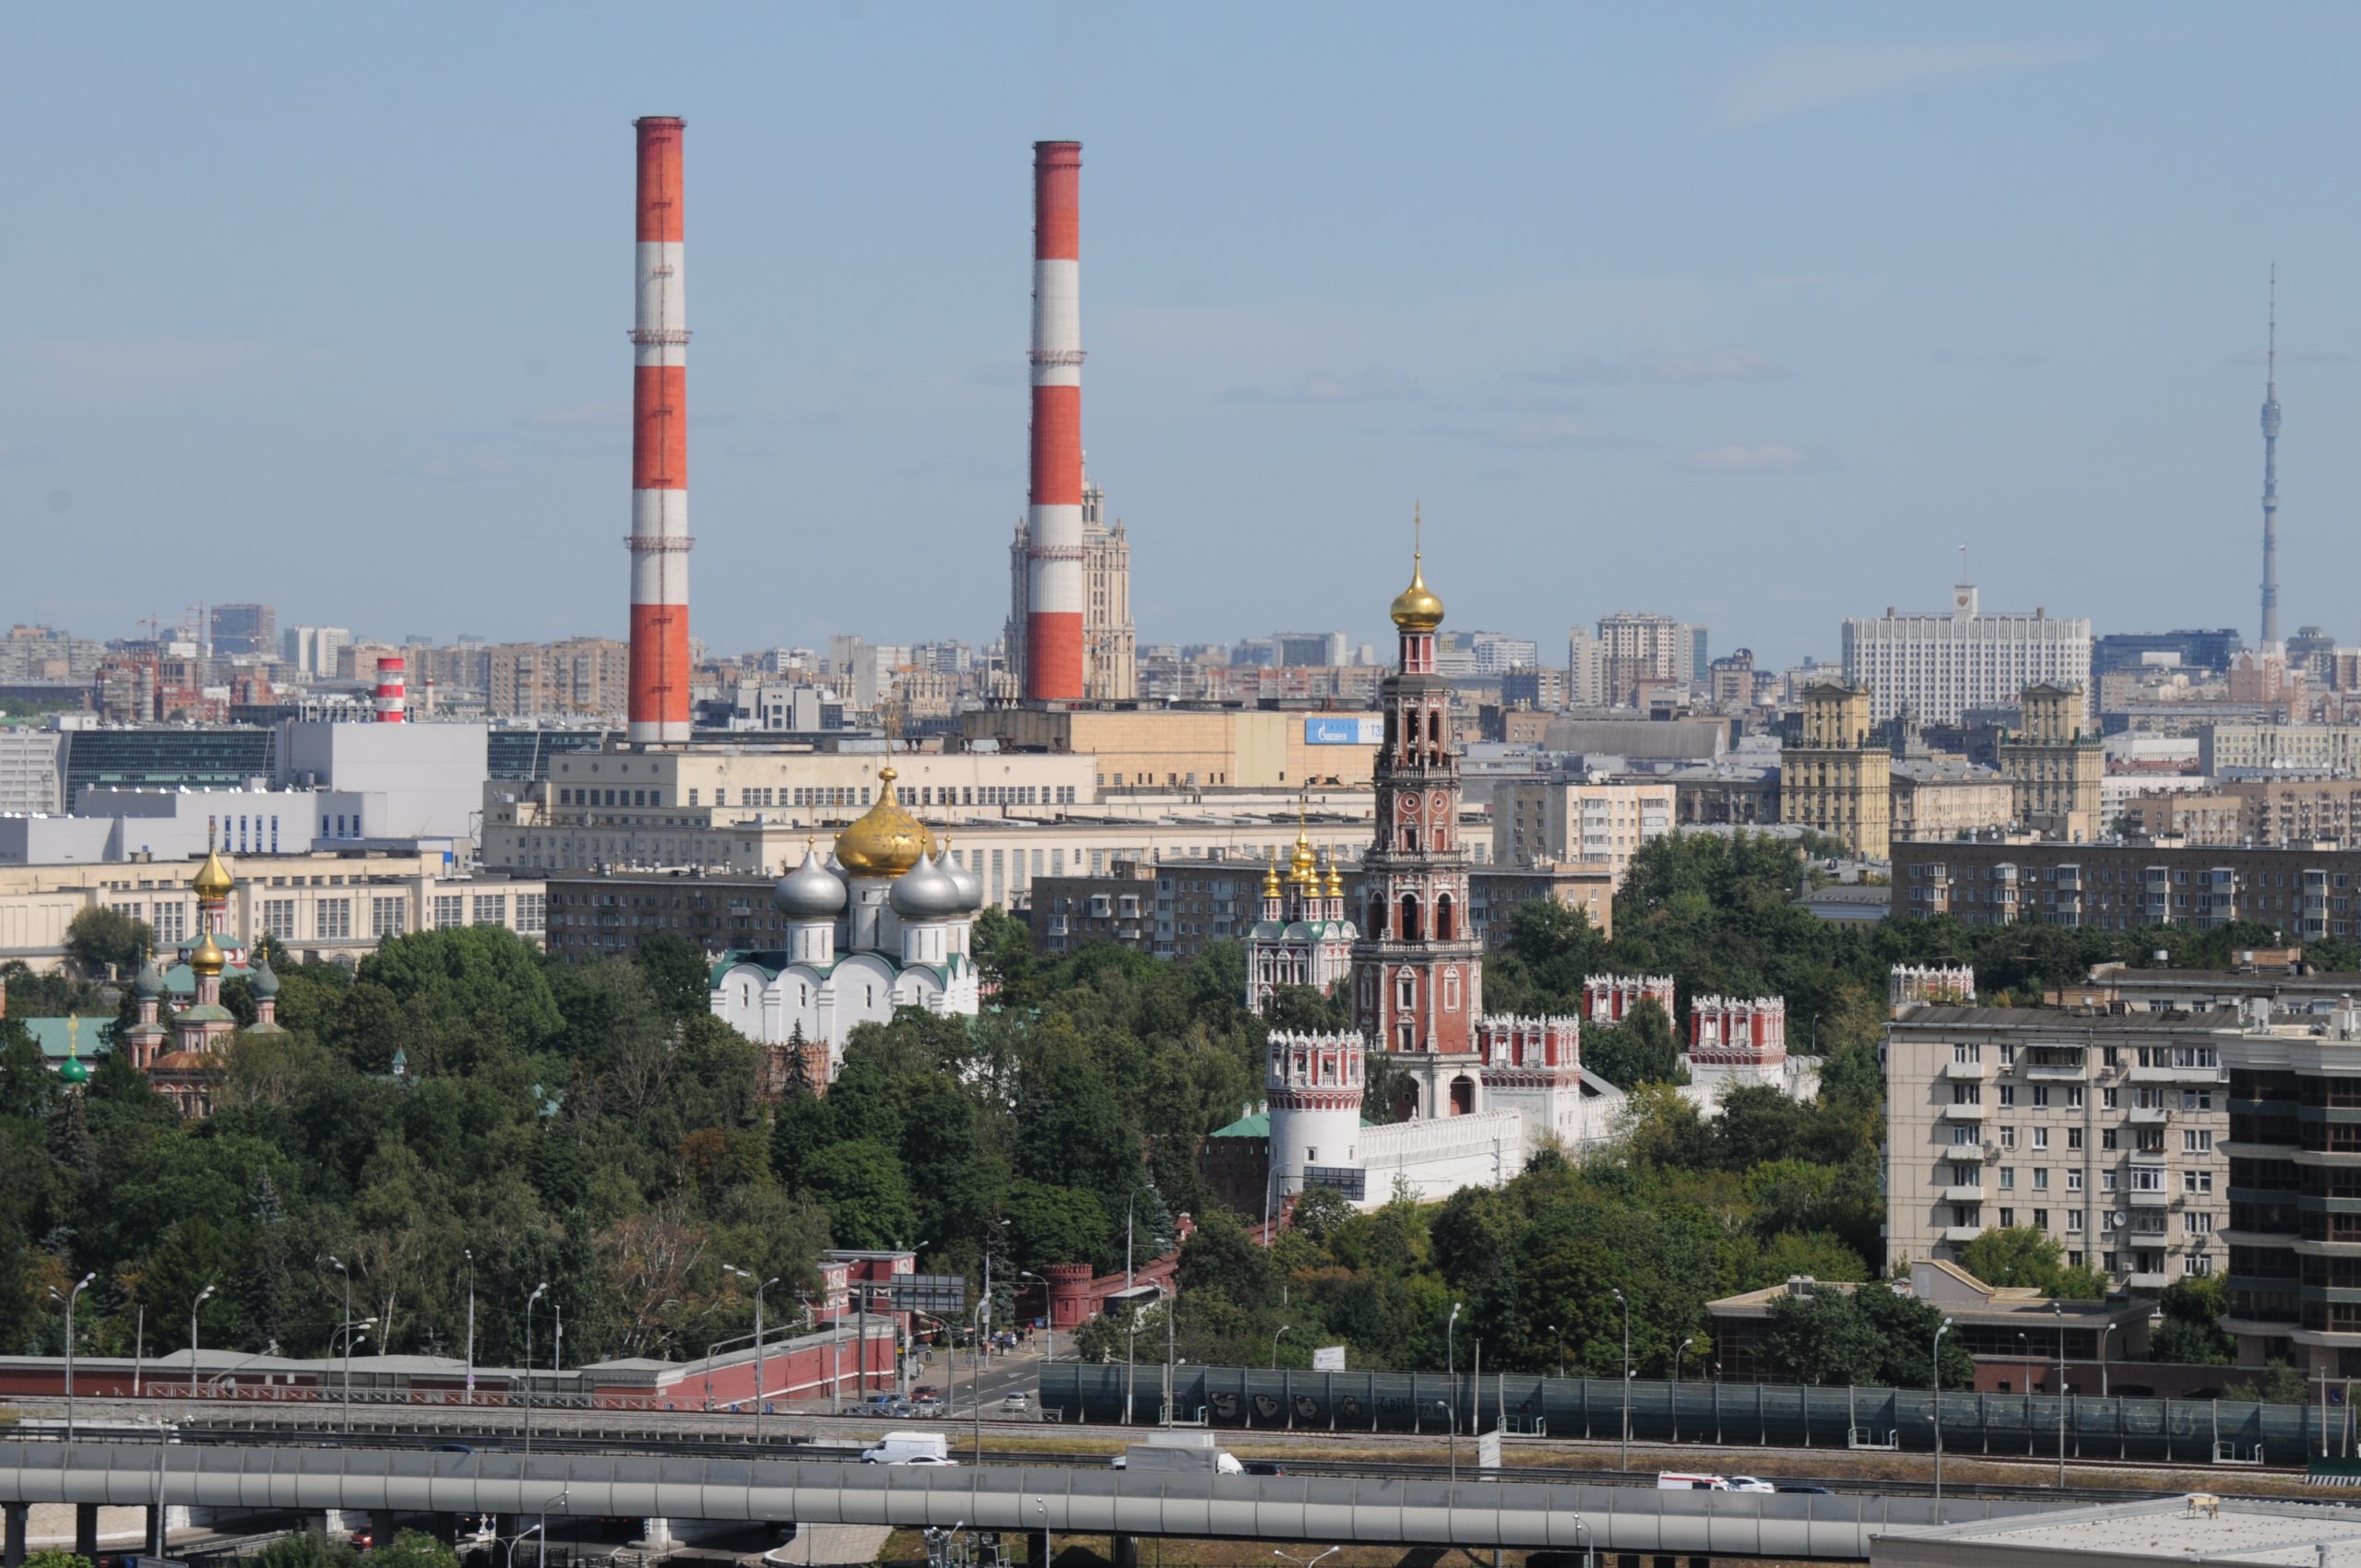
[1049,1225]
[678,977]
[413,1549]
[1822,1337]
[471,982]
[2191,1333]
[1003,947]
[2015,1255]
[26,1088]
[1220,1256]
[1643,1048]
[861,1186]
[2279,1385]
[53,1557]
[305,1548]
[100,942]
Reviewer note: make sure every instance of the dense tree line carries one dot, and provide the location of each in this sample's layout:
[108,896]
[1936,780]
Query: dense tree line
[458,1107]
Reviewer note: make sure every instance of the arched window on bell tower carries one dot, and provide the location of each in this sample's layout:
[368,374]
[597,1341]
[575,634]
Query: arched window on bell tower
[1410,928]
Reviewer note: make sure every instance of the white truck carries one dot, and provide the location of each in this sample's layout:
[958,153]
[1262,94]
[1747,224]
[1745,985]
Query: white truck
[1192,1452]
[909,1448]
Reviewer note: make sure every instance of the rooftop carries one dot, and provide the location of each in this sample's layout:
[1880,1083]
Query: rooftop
[2198,1528]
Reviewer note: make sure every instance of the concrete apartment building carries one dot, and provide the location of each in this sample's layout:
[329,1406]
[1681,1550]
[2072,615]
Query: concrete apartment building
[1933,798]
[2107,1133]
[2332,749]
[2307,893]
[582,677]
[320,905]
[1639,650]
[1598,824]
[1836,779]
[2277,814]
[1939,667]
[32,770]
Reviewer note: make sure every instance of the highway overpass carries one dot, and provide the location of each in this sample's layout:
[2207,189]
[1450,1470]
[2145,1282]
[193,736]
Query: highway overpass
[1086,1499]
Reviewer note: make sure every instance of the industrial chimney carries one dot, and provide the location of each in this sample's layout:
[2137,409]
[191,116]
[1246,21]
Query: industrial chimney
[1053,650]
[393,702]
[660,449]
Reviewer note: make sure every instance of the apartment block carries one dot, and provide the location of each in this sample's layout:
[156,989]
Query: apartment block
[2109,1134]
[2055,763]
[2277,814]
[2307,893]
[1560,822]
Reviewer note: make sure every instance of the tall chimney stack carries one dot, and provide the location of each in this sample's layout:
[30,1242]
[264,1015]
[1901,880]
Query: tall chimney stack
[1053,653]
[393,686]
[660,449]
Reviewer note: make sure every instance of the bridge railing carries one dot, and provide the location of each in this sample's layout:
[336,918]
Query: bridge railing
[1750,1414]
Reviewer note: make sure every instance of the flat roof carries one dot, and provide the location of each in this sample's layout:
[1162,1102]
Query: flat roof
[2196,1527]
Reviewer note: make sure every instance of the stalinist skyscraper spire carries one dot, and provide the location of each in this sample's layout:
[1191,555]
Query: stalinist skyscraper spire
[2271,474]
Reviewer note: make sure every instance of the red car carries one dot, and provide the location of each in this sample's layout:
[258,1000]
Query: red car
[363,1539]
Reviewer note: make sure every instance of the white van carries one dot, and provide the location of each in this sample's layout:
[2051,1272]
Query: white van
[1682,1480]
[909,1448]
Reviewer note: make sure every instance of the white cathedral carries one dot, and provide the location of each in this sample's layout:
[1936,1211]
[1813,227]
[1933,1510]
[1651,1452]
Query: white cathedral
[882,923]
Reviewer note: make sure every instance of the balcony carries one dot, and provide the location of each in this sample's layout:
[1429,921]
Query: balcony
[2149,1197]
[1963,1113]
[2190,1075]
[1967,1071]
[2139,1281]
[2051,1064]
[1959,1233]
[1973,1194]
[1970,1153]
[2149,1116]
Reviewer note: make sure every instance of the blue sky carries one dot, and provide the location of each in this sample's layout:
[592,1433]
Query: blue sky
[1748,313]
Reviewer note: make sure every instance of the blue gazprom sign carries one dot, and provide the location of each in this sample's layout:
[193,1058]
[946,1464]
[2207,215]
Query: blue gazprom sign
[1340,730]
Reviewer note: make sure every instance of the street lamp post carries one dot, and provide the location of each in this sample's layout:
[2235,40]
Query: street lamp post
[1677,1355]
[2104,1331]
[728,1268]
[1164,1289]
[539,1291]
[1938,1380]
[1559,1340]
[201,1297]
[1284,1329]
[1049,1312]
[469,1395]
[338,1264]
[1451,1361]
[70,1297]
[2058,1310]
[1625,1302]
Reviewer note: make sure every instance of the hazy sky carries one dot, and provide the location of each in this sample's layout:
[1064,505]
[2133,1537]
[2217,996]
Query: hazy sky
[1750,313]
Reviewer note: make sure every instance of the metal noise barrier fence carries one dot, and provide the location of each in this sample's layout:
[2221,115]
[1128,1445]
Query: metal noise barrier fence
[2227,1432]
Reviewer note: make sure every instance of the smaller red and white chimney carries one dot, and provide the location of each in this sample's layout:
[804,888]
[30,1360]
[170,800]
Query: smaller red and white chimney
[393,704]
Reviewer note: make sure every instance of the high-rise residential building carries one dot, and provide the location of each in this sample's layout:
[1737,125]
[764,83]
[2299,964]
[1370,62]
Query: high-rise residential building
[1729,681]
[1585,668]
[587,677]
[244,628]
[313,649]
[1838,780]
[1576,822]
[1639,647]
[1313,650]
[1109,640]
[1941,666]
[2055,763]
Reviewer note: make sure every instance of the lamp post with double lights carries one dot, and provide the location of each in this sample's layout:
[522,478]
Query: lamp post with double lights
[338,1264]
[759,1289]
[69,1298]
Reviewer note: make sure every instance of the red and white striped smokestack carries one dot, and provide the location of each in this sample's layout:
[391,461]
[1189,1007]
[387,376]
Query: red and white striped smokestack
[1053,654]
[659,449]
[392,700]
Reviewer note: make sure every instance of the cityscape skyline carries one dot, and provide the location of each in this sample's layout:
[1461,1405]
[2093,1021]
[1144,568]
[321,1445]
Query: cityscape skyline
[1532,373]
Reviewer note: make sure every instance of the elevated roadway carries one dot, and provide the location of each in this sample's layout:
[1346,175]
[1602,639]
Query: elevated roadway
[1342,1510]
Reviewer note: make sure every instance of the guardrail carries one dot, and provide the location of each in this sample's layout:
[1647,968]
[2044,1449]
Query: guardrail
[1750,1414]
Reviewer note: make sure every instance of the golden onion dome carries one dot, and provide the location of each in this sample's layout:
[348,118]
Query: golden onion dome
[887,840]
[213,878]
[1336,881]
[1271,879]
[207,958]
[1305,866]
[1415,608]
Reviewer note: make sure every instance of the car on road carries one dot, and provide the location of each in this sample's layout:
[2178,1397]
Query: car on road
[926,1391]
[1016,1404]
[363,1540]
[1805,1486]
[922,1459]
[926,1409]
[1749,1483]
[1264,1467]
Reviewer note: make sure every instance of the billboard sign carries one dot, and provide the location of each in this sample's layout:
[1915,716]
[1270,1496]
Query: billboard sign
[1343,730]
[1328,1358]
